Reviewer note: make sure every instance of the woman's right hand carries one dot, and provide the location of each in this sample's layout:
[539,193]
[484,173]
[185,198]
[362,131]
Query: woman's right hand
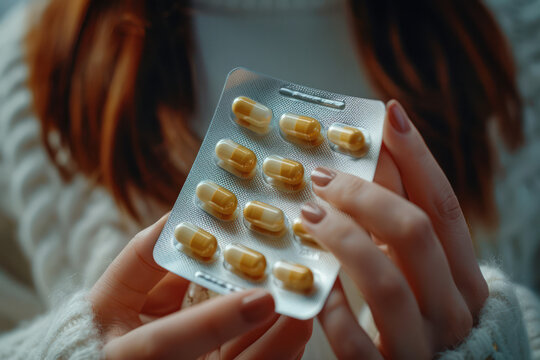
[222,328]
[407,247]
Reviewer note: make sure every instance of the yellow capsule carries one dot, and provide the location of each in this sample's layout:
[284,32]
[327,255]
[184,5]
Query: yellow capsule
[235,158]
[303,129]
[199,241]
[347,138]
[294,276]
[264,218]
[251,114]
[299,230]
[245,260]
[216,200]
[284,173]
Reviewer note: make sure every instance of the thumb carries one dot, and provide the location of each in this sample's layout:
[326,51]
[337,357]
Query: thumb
[197,330]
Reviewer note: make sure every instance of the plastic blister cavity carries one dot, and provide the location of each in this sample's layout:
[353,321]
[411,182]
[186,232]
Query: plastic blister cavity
[251,176]
[236,159]
[302,130]
[349,140]
[264,218]
[216,200]
[293,276]
[196,241]
[301,234]
[284,174]
[246,261]
[251,115]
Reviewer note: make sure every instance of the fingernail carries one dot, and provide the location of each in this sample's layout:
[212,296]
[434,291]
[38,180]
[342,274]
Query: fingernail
[398,118]
[313,212]
[321,176]
[257,306]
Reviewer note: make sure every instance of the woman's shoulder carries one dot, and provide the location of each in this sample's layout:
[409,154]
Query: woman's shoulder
[63,227]
[517,241]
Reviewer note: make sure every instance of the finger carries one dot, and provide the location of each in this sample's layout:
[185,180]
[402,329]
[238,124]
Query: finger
[346,337]
[166,297]
[408,231]
[128,279]
[284,340]
[233,348]
[395,310]
[197,330]
[387,174]
[428,187]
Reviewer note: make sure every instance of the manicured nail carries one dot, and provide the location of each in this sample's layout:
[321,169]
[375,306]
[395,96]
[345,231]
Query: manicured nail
[257,306]
[398,118]
[313,212]
[321,176]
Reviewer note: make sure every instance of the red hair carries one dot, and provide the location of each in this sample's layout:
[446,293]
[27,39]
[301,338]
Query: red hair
[114,79]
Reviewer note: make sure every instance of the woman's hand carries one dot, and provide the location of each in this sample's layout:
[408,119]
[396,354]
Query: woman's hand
[221,328]
[411,256]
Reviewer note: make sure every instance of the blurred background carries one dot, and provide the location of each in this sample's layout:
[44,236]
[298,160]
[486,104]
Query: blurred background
[5,4]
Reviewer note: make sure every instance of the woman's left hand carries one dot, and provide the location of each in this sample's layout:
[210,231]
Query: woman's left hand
[410,255]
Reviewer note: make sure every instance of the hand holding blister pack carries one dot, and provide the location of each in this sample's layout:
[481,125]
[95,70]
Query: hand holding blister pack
[235,224]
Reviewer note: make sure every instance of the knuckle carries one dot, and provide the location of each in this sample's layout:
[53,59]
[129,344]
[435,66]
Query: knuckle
[354,187]
[345,238]
[416,228]
[140,236]
[389,289]
[447,206]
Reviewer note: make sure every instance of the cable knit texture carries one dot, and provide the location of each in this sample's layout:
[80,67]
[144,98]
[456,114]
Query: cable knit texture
[70,232]
[500,333]
[67,332]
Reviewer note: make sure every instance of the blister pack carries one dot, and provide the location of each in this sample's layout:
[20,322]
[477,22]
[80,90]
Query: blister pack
[235,224]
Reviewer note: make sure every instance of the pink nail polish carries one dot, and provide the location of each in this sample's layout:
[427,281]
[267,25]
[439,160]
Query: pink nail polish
[321,176]
[313,213]
[397,117]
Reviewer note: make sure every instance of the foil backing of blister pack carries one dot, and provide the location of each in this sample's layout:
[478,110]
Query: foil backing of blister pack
[281,97]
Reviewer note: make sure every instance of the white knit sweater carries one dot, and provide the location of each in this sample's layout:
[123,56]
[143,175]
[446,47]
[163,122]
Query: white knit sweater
[69,233]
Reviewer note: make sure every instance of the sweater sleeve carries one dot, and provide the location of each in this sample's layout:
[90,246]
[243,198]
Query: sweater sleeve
[530,308]
[68,231]
[66,332]
[508,326]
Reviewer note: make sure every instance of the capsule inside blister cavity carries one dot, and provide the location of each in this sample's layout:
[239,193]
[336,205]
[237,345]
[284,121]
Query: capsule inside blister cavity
[282,173]
[293,276]
[197,240]
[235,158]
[348,139]
[216,200]
[300,232]
[245,260]
[301,129]
[251,114]
[264,218]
